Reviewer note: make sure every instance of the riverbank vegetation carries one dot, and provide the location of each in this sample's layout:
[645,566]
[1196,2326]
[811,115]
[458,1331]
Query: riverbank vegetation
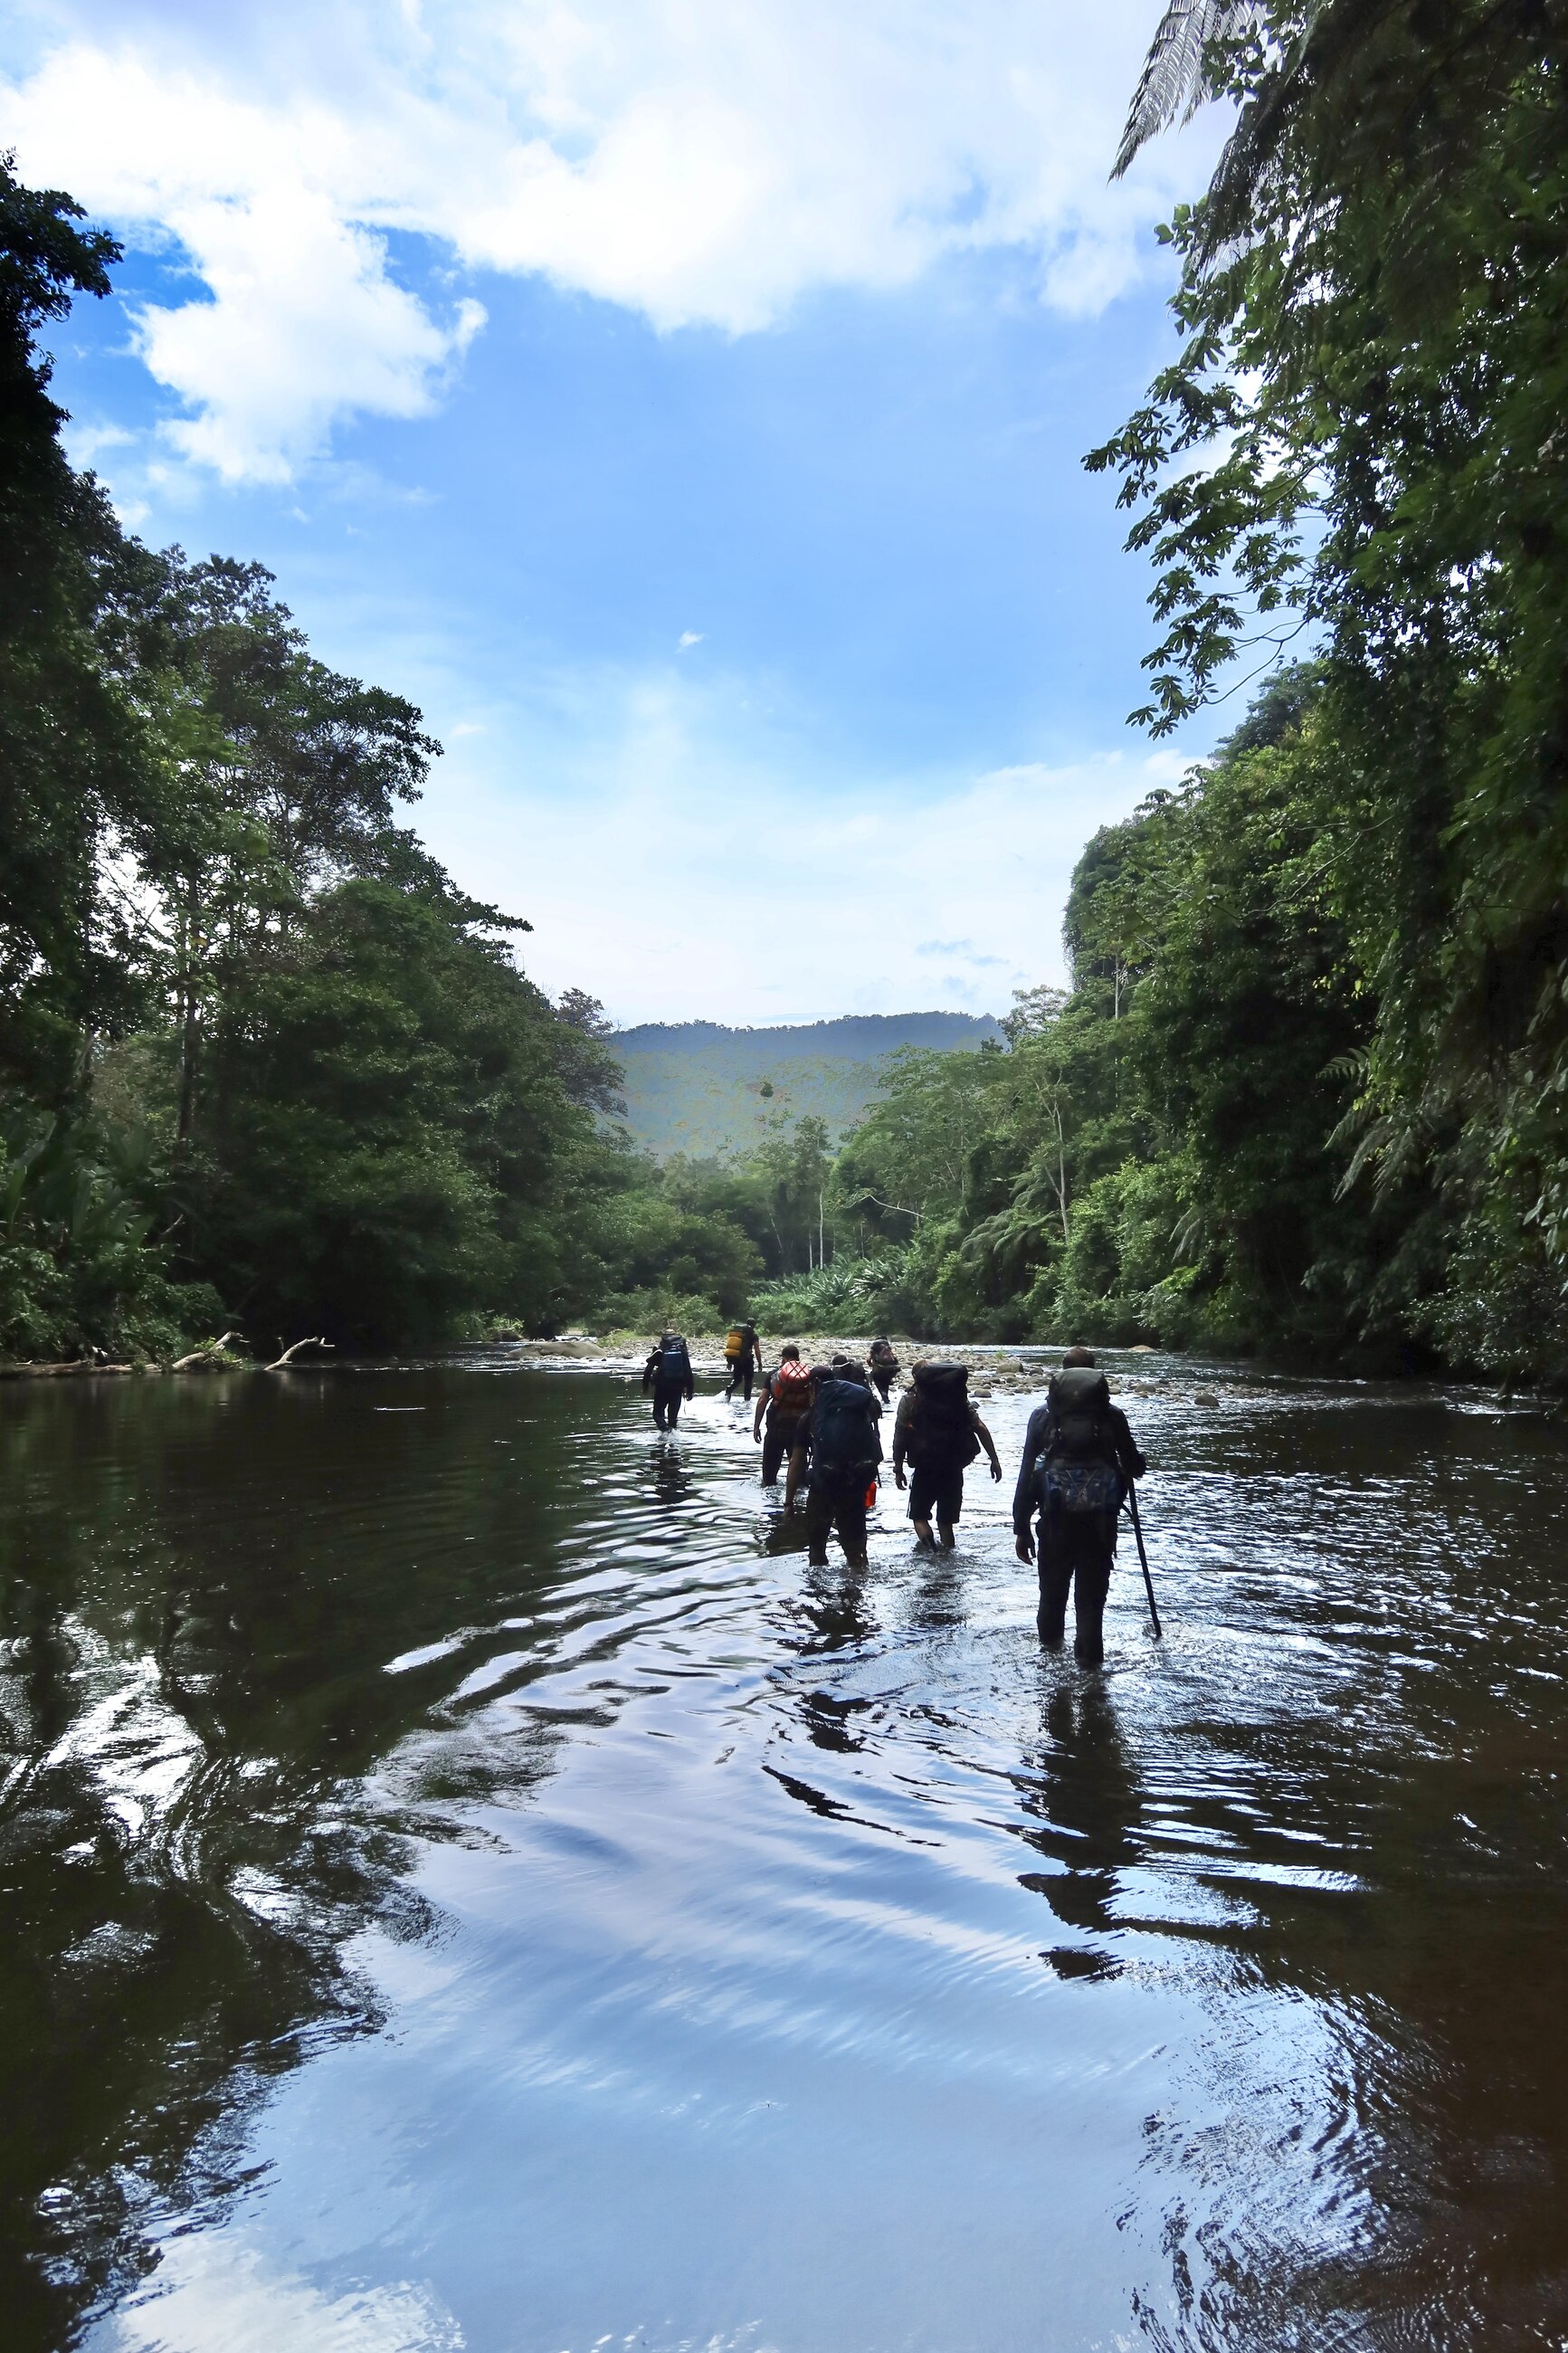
[1310,1084]
[263,1065]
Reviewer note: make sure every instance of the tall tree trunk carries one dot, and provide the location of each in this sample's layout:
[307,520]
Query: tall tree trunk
[189,1013]
[190,1045]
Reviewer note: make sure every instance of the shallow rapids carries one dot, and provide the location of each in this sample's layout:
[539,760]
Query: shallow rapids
[470,1883]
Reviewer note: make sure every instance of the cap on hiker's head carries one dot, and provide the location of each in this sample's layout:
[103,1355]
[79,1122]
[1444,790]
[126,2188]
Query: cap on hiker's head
[1078,1354]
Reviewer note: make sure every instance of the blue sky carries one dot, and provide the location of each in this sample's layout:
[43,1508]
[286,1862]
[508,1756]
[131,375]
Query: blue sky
[685,406]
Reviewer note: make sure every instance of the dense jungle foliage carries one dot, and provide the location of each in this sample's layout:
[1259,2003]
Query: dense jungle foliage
[262,1067]
[1312,1082]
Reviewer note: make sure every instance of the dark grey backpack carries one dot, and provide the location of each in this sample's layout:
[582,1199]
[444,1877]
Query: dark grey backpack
[1075,1470]
[1080,1403]
[844,1429]
[941,1435]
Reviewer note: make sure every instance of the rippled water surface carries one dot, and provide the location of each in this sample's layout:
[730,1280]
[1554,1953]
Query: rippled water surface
[468,1883]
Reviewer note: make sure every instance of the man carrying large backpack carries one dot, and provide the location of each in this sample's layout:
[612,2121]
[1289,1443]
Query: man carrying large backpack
[882,1364]
[939,1432]
[785,1398]
[667,1373]
[1079,1461]
[741,1350]
[846,1449]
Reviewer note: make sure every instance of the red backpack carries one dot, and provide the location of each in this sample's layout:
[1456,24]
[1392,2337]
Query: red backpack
[792,1387]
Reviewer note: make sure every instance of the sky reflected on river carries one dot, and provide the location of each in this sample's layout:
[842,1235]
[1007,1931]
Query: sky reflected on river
[479,1886]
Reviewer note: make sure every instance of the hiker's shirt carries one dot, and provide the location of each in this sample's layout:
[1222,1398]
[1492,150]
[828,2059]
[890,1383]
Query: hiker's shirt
[1120,1448]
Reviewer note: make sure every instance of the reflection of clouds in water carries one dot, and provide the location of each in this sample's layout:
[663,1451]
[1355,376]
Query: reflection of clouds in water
[215,2297]
[807,1861]
[137,1750]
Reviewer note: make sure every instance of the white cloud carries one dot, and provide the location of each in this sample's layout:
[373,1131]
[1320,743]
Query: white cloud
[85,443]
[687,638]
[216,2290]
[669,865]
[703,162]
[265,376]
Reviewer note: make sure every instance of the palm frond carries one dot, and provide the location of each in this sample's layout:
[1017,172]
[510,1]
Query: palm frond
[1172,82]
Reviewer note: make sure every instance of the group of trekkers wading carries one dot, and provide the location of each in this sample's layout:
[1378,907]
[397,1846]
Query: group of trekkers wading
[819,1424]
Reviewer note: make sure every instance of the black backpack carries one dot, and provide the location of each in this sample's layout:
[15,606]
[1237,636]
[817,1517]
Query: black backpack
[1079,1400]
[941,1435]
[1076,1468]
[843,1429]
[673,1362]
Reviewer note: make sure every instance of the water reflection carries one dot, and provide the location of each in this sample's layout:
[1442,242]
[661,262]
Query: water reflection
[191,1686]
[1079,1797]
[938,1599]
[783,1533]
[477,1830]
[836,1604]
[670,1482]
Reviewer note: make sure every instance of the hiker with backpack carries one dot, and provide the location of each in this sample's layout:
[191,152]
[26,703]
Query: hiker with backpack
[1080,1462]
[844,1448]
[938,1433]
[741,1351]
[667,1373]
[784,1398]
[883,1365]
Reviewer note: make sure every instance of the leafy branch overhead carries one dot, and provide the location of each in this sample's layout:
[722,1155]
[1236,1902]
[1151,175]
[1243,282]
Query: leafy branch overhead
[1358,451]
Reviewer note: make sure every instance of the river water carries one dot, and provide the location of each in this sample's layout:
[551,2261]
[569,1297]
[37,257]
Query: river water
[468,1883]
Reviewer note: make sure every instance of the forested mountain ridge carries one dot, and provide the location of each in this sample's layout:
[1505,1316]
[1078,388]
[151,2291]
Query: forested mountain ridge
[699,1088]
[857,1037]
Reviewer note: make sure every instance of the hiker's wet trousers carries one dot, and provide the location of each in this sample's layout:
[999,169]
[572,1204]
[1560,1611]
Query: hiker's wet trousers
[837,1499]
[779,1437]
[1075,1560]
[667,1396]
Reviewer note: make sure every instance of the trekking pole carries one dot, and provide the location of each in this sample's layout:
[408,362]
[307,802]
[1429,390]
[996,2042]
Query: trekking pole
[1143,1557]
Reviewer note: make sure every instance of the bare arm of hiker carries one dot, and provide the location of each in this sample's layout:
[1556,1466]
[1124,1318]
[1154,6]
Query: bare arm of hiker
[903,1424]
[989,1443]
[1023,1493]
